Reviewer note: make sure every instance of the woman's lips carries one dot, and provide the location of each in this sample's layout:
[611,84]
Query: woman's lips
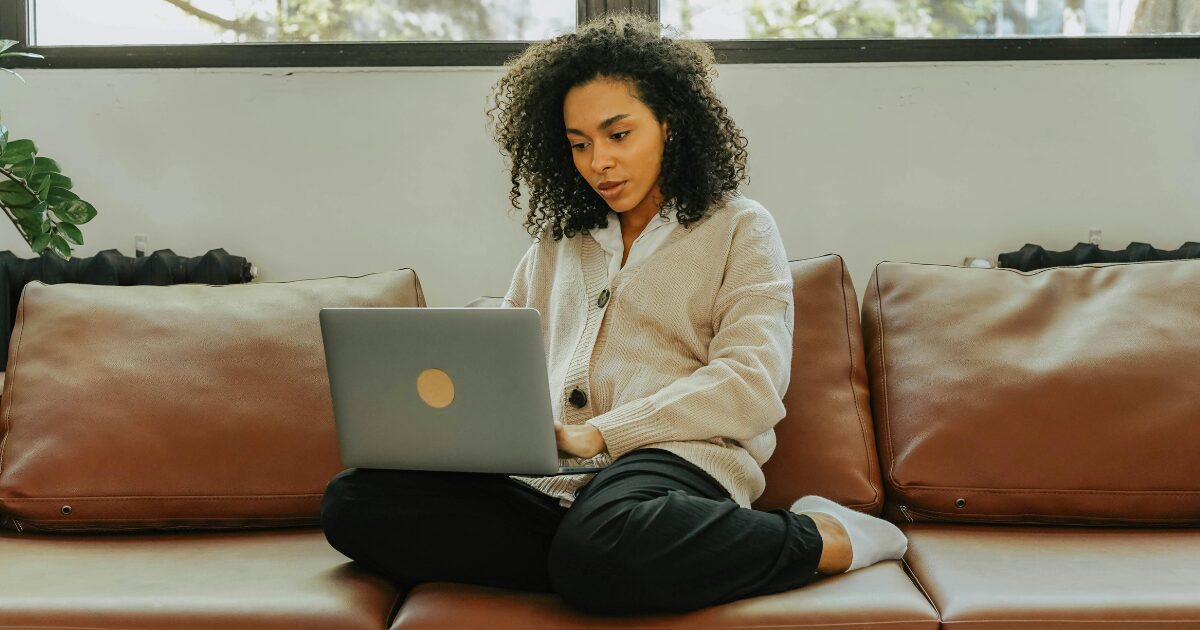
[612,192]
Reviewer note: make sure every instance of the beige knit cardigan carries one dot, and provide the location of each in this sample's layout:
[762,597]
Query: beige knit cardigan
[690,352]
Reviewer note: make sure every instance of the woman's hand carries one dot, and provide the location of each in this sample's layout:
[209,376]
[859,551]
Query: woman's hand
[583,441]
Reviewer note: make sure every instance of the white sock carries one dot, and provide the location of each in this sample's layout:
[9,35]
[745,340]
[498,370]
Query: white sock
[871,539]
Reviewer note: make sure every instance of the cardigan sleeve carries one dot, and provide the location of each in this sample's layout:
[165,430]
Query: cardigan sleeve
[517,295]
[738,394]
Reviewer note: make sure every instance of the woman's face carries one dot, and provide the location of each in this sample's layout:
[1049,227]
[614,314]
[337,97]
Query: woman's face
[615,139]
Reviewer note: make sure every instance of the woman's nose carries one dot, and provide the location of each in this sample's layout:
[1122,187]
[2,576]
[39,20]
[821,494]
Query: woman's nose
[601,160]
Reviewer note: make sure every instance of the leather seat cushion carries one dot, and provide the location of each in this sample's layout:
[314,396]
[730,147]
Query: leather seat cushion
[879,596]
[268,579]
[997,577]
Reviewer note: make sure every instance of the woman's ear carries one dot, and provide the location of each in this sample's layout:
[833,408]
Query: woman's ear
[666,130]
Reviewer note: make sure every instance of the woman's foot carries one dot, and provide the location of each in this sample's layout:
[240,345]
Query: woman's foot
[864,538]
[836,553]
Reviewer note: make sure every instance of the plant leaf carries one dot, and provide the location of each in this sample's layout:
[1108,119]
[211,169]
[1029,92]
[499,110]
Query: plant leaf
[30,226]
[32,219]
[59,195]
[13,194]
[76,211]
[3,138]
[40,243]
[15,198]
[24,168]
[5,44]
[44,165]
[60,247]
[23,212]
[22,54]
[71,232]
[18,151]
[44,188]
[36,213]
[37,180]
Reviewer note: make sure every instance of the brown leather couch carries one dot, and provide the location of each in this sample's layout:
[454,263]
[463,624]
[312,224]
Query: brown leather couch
[1036,434]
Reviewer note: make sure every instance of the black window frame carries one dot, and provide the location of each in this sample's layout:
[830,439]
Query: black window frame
[16,23]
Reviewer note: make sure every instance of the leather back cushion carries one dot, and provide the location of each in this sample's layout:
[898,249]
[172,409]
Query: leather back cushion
[174,406]
[1066,395]
[826,444]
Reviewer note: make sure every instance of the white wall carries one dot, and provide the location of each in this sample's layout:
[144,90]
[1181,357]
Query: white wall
[317,172]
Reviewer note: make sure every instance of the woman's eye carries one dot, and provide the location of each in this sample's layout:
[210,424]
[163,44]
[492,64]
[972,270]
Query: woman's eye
[576,146]
[620,133]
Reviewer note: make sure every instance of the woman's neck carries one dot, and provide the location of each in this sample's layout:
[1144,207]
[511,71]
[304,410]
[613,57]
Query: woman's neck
[634,220]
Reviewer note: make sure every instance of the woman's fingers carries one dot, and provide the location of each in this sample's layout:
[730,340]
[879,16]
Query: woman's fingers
[578,441]
[563,439]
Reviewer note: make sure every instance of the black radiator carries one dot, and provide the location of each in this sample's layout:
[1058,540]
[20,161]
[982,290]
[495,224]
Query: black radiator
[110,266]
[1032,257]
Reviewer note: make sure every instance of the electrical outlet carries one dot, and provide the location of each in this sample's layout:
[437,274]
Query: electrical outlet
[1094,236]
[140,245]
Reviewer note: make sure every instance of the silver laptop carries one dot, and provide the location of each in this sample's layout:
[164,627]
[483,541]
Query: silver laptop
[451,389]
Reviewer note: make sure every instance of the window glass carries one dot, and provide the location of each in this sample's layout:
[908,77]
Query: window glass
[804,19]
[99,22]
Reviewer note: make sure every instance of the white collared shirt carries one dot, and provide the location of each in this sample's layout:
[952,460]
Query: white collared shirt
[653,235]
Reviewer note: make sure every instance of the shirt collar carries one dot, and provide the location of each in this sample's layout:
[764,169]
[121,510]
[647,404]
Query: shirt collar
[609,237]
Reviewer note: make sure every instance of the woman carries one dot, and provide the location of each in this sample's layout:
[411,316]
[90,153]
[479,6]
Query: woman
[666,304]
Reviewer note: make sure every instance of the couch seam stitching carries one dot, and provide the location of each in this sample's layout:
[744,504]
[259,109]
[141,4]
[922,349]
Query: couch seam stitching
[854,395]
[1045,491]
[11,380]
[913,576]
[887,409]
[151,497]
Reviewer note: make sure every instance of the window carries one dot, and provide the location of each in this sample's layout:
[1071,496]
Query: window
[271,33]
[826,19]
[117,22]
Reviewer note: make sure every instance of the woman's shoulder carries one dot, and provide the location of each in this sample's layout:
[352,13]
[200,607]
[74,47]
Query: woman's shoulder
[745,216]
[545,249]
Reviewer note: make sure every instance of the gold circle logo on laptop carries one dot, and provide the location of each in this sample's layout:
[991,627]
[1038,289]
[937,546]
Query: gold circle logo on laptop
[435,388]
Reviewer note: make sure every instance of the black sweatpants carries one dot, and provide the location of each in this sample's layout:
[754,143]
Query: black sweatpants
[651,532]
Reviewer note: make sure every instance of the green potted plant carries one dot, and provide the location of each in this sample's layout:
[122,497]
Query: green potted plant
[34,193]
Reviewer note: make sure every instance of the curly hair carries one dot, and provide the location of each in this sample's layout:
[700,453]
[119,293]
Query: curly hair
[704,157]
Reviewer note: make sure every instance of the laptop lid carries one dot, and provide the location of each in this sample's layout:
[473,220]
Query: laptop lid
[451,389]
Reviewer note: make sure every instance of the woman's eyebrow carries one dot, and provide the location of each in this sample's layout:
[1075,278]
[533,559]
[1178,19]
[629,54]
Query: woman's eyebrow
[608,122]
